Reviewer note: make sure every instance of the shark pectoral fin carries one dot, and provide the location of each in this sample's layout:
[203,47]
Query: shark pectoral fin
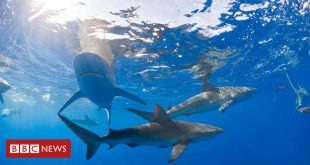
[76,96]
[178,150]
[1,99]
[293,87]
[145,115]
[92,140]
[225,105]
[121,92]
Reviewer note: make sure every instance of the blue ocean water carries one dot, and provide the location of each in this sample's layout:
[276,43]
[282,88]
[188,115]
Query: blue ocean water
[161,52]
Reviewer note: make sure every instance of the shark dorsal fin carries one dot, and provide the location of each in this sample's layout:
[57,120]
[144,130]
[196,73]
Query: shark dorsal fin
[161,117]
[160,114]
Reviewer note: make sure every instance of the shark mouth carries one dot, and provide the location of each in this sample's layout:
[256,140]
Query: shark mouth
[91,73]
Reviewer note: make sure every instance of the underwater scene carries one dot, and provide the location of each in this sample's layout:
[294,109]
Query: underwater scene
[202,82]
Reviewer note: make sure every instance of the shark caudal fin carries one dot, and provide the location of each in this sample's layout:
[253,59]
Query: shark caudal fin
[123,93]
[143,114]
[76,96]
[92,140]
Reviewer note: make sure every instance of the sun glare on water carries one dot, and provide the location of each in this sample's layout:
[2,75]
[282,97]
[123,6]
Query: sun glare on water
[41,6]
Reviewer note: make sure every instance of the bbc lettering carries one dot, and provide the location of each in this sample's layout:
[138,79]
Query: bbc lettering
[24,148]
[38,148]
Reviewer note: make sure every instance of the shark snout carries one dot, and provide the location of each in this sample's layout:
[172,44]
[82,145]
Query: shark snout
[218,130]
[249,89]
[213,130]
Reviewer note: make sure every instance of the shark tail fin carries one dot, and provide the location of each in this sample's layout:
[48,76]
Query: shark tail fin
[143,114]
[121,92]
[92,140]
[76,96]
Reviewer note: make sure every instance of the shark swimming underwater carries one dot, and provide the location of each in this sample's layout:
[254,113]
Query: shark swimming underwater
[4,86]
[301,93]
[304,110]
[86,121]
[8,112]
[161,132]
[96,82]
[219,98]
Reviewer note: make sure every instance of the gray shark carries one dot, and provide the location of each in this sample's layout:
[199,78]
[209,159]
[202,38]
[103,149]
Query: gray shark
[86,121]
[4,86]
[161,132]
[97,82]
[8,113]
[304,110]
[301,93]
[219,98]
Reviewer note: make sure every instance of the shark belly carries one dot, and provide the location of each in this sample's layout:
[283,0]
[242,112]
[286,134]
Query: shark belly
[192,107]
[97,88]
[142,141]
[152,134]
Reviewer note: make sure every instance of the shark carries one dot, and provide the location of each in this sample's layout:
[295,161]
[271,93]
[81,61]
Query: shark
[4,86]
[301,93]
[219,98]
[162,132]
[8,113]
[96,82]
[304,110]
[86,121]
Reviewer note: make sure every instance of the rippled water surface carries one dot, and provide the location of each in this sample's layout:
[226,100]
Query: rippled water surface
[164,52]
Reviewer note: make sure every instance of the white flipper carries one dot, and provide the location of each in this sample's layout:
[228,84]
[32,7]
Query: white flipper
[108,115]
[178,150]
[76,96]
[121,92]
[225,105]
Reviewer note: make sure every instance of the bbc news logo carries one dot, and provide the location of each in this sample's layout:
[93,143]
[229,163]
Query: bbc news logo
[38,148]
